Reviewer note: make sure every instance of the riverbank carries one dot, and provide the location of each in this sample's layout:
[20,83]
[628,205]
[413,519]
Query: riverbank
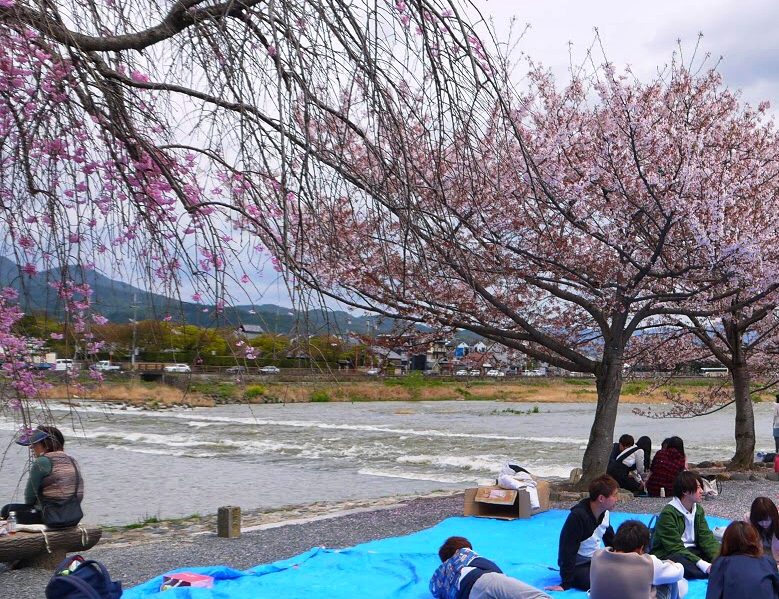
[209,391]
[134,556]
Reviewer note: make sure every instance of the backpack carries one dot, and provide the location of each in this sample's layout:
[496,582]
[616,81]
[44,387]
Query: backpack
[77,578]
[617,468]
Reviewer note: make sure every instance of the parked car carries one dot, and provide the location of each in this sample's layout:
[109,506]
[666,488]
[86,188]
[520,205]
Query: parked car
[474,372]
[373,371]
[178,368]
[106,366]
[270,370]
[65,364]
[495,372]
[461,372]
[536,372]
[43,366]
[236,370]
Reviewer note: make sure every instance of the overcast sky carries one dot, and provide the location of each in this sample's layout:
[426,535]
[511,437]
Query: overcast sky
[644,35]
[745,34]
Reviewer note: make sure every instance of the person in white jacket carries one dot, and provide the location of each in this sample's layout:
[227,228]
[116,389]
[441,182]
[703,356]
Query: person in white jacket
[626,571]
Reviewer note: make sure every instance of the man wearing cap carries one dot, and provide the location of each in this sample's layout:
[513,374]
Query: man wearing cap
[54,475]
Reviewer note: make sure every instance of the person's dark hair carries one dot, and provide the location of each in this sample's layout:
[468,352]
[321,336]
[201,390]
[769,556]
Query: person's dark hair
[645,443]
[55,441]
[686,482]
[741,538]
[603,485]
[765,509]
[677,444]
[631,536]
[451,545]
[626,441]
[664,444]
[777,398]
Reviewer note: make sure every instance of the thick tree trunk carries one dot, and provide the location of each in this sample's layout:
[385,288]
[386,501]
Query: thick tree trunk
[609,385]
[745,420]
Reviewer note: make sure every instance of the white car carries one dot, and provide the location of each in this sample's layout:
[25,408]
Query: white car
[461,372]
[533,373]
[178,368]
[474,372]
[373,371]
[270,370]
[106,366]
[495,372]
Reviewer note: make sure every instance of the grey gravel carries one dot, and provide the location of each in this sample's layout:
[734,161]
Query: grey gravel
[137,563]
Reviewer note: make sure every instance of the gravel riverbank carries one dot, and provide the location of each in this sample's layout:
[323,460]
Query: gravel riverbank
[138,555]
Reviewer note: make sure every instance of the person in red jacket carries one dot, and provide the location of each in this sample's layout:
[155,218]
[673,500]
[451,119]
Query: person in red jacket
[668,462]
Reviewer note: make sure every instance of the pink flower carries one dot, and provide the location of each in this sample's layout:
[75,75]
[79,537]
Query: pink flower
[139,77]
[272,51]
[196,297]
[30,269]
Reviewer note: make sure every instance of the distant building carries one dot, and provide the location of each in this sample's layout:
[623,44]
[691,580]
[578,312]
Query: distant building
[250,331]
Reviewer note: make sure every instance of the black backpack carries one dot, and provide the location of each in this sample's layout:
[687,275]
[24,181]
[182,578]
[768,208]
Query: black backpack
[617,469]
[77,578]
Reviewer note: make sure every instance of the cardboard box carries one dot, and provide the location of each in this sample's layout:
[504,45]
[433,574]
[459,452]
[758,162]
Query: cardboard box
[505,504]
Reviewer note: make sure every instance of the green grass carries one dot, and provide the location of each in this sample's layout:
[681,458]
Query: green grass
[515,412]
[414,380]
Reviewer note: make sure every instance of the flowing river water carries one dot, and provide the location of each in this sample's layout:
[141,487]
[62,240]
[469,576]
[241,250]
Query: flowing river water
[177,462]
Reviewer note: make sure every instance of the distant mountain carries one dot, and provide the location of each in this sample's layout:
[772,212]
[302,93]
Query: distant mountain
[120,302]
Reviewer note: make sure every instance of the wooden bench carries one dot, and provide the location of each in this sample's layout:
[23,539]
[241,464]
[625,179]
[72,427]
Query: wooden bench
[46,549]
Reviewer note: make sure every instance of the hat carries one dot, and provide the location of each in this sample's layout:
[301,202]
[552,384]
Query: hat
[31,438]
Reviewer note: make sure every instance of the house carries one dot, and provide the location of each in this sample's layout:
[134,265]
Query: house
[250,331]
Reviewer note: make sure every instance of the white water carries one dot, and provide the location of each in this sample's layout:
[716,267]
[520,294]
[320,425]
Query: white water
[183,461]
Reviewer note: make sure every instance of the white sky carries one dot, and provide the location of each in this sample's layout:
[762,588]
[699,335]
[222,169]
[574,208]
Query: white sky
[644,35]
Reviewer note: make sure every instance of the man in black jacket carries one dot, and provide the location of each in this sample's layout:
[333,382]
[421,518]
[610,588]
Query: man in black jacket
[586,530]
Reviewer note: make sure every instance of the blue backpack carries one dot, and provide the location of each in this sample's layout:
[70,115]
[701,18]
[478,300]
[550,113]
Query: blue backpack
[77,578]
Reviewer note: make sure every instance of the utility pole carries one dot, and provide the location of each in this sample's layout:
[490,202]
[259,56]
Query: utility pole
[134,320]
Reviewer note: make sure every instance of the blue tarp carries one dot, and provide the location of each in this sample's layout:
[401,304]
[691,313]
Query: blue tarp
[398,567]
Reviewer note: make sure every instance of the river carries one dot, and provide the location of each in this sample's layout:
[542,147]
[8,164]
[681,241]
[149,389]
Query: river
[178,462]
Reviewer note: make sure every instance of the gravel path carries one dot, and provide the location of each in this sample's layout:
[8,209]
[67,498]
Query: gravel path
[137,562]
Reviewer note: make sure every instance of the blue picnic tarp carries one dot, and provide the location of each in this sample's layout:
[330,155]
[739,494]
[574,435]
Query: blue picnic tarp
[399,567]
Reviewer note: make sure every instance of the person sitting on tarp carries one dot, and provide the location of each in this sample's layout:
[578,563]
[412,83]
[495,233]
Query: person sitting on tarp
[516,477]
[627,467]
[627,571]
[54,477]
[464,574]
[586,529]
[682,533]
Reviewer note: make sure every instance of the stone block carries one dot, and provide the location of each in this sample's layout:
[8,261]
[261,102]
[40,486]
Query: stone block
[228,522]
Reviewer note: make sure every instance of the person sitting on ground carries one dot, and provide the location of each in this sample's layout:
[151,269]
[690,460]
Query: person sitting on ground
[682,533]
[645,443]
[464,574]
[54,476]
[586,530]
[627,467]
[742,570]
[628,572]
[764,516]
[668,462]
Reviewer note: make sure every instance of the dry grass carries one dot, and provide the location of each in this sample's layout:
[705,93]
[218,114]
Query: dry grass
[524,391]
[134,394]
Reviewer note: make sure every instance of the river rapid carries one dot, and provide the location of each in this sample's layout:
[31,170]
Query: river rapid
[178,462]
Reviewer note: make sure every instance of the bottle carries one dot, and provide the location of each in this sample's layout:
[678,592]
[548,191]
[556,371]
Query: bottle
[11,522]
[662,491]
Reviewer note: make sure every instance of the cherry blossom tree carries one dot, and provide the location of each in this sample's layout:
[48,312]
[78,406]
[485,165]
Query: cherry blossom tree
[558,223]
[170,140]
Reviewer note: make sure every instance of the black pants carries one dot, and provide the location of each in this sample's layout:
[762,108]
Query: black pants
[631,484]
[691,570]
[581,577]
[25,514]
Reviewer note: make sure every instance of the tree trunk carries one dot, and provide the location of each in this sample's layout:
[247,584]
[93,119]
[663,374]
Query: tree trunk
[745,420]
[609,385]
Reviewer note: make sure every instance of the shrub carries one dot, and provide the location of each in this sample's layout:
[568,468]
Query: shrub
[320,396]
[254,391]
